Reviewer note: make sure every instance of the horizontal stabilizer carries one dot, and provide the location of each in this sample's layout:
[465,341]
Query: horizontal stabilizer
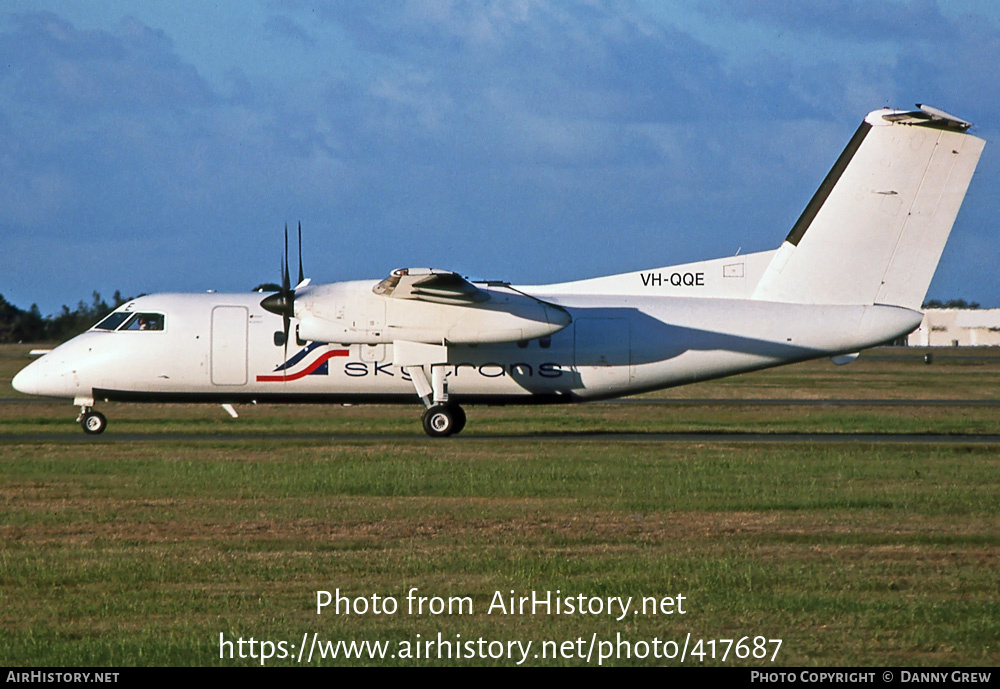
[928,116]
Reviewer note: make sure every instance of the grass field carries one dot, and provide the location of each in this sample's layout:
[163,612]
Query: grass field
[141,550]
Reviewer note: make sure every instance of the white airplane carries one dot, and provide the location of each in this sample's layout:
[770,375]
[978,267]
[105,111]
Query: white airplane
[851,274]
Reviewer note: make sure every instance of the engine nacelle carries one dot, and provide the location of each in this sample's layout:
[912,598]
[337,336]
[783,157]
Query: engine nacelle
[350,313]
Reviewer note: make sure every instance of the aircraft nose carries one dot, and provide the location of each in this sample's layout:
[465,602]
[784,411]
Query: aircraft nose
[42,377]
[26,380]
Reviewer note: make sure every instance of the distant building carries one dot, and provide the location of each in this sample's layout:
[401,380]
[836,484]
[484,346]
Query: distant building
[957,328]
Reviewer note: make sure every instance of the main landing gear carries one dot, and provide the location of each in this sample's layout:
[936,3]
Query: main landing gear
[442,417]
[442,420]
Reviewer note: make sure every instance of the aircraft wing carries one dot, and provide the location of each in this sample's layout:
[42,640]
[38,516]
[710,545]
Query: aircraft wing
[432,285]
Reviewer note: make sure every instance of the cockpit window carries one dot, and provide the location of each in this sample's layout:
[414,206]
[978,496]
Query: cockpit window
[123,320]
[112,321]
[144,321]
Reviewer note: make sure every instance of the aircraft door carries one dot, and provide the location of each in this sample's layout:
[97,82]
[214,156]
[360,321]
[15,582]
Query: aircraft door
[229,345]
[604,346]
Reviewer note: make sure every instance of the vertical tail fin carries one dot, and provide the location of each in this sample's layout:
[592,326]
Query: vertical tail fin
[874,231]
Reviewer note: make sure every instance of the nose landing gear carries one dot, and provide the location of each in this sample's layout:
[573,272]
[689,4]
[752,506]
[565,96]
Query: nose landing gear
[92,422]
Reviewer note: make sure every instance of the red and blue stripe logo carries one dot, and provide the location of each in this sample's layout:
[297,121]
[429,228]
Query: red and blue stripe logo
[313,360]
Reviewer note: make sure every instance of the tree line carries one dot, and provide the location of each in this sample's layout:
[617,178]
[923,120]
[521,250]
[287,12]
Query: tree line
[19,325]
[950,304]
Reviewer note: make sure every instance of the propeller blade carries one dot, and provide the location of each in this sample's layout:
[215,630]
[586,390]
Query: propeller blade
[286,279]
[282,302]
[301,274]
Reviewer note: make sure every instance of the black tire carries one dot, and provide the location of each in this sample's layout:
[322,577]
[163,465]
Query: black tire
[93,423]
[459,414]
[439,421]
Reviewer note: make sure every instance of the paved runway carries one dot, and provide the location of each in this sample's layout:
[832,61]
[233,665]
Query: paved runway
[581,436]
[800,402]
[569,436]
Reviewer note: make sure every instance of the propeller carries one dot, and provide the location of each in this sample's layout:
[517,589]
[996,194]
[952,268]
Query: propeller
[301,275]
[282,302]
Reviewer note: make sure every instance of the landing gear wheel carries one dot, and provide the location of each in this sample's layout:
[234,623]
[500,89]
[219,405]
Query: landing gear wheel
[93,423]
[440,421]
[459,415]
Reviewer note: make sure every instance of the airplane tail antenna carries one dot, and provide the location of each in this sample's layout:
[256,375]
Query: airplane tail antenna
[874,231]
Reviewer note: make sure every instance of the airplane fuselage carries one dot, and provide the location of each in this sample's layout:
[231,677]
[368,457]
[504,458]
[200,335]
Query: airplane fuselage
[225,348]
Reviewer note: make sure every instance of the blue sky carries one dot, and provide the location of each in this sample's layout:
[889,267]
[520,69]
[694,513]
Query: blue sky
[151,146]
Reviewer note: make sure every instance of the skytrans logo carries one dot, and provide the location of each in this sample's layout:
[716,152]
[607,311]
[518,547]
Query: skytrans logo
[314,360]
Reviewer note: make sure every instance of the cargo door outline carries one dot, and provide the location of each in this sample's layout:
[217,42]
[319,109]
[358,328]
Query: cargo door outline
[229,345]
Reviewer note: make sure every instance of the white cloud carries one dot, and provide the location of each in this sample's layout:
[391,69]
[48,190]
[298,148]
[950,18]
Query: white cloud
[432,132]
